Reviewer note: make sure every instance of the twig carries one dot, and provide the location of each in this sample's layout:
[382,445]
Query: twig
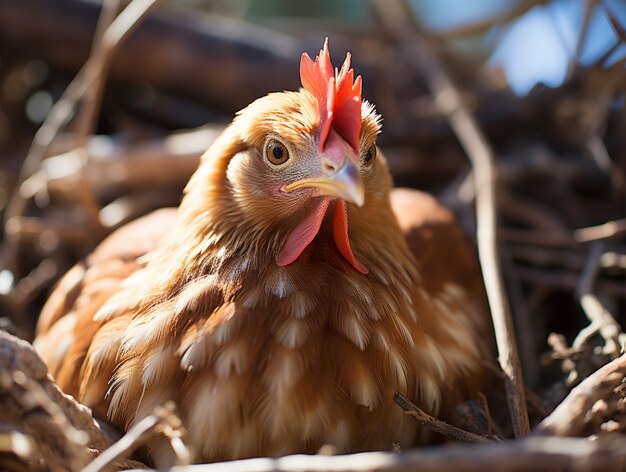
[395,18]
[567,258]
[163,420]
[565,280]
[568,419]
[606,230]
[537,237]
[590,6]
[523,323]
[530,213]
[436,425]
[95,73]
[601,320]
[132,440]
[113,31]
[101,56]
[533,399]
[560,351]
[482,400]
[600,155]
[34,282]
[619,30]
[481,26]
[59,115]
[113,167]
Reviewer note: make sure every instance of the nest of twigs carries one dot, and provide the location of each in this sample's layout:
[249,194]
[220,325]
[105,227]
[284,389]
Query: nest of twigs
[540,179]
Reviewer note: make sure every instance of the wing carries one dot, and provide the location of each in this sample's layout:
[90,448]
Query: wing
[66,326]
[460,325]
[437,242]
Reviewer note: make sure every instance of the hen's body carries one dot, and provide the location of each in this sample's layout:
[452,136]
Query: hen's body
[265,358]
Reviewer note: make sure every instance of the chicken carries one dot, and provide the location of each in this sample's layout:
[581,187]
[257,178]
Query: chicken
[286,299]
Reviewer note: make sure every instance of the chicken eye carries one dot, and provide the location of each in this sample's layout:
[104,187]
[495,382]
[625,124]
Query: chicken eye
[369,157]
[276,152]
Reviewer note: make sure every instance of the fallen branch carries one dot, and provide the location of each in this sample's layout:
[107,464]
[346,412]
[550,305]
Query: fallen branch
[112,167]
[162,421]
[601,320]
[569,418]
[606,230]
[438,426]
[606,453]
[565,280]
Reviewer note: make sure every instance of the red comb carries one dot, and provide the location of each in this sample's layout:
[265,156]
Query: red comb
[338,98]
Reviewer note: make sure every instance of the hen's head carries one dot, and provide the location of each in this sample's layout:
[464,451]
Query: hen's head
[291,161]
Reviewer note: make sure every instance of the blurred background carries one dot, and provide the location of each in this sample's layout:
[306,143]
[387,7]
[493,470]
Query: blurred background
[122,123]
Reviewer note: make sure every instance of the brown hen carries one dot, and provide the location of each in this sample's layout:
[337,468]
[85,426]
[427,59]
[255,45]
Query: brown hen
[286,299]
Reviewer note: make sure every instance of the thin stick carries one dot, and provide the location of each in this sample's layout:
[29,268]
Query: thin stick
[565,280]
[601,320]
[590,6]
[59,115]
[161,420]
[101,56]
[537,237]
[395,18]
[606,230]
[484,404]
[113,33]
[132,440]
[437,425]
[481,26]
[94,72]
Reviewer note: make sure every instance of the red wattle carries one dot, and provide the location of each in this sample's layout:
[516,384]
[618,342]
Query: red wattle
[340,233]
[302,235]
[305,233]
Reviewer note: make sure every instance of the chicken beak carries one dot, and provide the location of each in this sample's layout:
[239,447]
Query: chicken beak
[345,183]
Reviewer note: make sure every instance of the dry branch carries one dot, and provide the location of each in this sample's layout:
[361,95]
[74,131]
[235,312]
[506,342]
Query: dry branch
[95,72]
[436,425]
[607,230]
[482,26]
[162,421]
[569,418]
[112,167]
[565,280]
[537,454]
[601,319]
